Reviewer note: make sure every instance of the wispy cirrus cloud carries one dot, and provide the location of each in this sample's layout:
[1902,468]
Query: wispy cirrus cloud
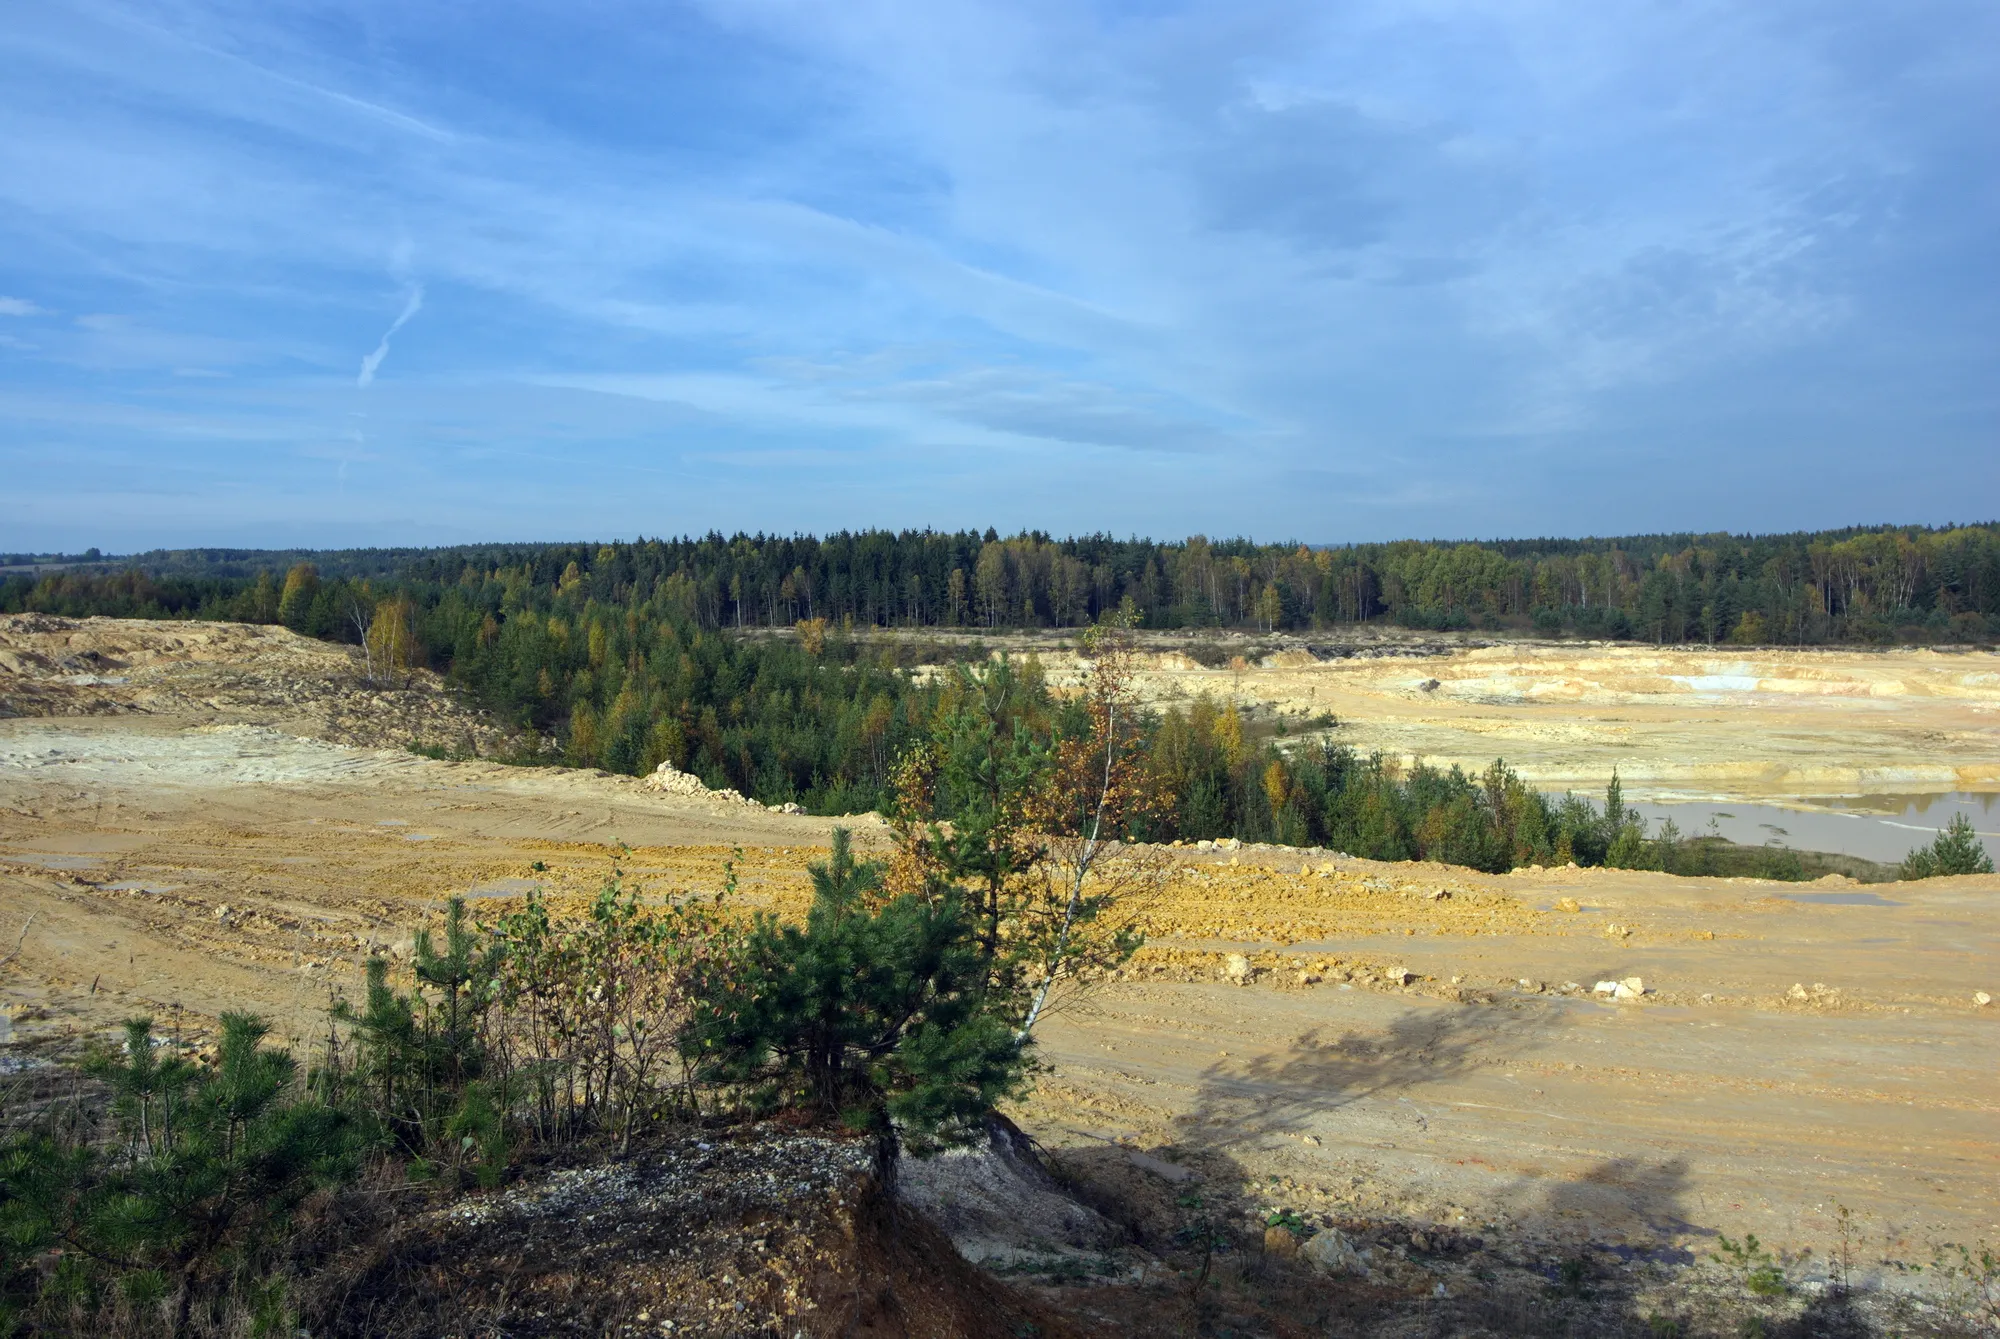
[412,304]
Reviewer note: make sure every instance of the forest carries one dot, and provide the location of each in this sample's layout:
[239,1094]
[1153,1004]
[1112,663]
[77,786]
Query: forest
[624,656]
[1859,585]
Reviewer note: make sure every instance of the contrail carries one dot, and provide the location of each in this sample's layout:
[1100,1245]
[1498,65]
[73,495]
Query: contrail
[374,360]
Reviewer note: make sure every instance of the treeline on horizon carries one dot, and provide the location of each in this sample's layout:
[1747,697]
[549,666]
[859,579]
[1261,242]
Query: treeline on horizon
[1857,585]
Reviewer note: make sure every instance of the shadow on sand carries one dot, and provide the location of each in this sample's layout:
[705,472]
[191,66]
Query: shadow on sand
[1581,1250]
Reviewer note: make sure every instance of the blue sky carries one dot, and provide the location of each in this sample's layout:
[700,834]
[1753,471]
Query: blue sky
[280,273]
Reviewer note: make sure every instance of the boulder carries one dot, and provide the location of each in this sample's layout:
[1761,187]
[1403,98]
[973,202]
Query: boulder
[1330,1252]
[1981,998]
[1000,1205]
[1631,988]
[1236,967]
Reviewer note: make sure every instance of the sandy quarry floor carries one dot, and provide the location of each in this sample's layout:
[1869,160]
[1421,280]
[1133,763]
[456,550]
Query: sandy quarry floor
[1738,724]
[180,861]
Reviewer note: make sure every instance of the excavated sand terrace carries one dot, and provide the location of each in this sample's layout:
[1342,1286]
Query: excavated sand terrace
[1734,724]
[181,861]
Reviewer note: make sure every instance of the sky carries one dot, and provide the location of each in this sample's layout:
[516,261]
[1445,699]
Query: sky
[293,274]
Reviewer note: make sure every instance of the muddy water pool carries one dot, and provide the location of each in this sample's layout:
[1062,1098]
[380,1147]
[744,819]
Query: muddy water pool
[1874,827]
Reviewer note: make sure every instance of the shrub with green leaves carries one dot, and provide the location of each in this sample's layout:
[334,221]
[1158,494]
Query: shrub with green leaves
[1762,1273]
[535,1027]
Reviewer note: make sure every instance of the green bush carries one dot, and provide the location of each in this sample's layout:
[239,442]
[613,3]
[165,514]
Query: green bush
[875,1010]
[1762,1273]
[185,1208]
[535,1028]
[1957,850]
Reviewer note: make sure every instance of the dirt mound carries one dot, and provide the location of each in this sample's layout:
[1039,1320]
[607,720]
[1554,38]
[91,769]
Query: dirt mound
[671,780]
[764,1231]
[226,672]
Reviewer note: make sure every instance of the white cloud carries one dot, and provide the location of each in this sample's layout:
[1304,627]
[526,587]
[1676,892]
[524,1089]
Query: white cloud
[411,306]
[20,307]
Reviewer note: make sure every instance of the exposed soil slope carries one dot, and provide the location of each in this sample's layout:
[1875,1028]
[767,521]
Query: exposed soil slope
[746,1232]
[220,673]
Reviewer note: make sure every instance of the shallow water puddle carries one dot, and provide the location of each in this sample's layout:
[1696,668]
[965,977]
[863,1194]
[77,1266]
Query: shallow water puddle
[47,861]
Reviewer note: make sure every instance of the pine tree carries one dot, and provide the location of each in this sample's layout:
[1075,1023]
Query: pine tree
[1957,850]
[875,1010]
[214,1159]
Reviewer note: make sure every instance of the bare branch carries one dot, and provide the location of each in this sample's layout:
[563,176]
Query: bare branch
[20,939]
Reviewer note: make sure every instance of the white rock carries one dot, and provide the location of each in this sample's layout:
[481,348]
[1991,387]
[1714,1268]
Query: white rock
[1981,998]
[1631,988]
[1236,967]
[1401,976]
[1605,988]
[670,780]
[1329,1252]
